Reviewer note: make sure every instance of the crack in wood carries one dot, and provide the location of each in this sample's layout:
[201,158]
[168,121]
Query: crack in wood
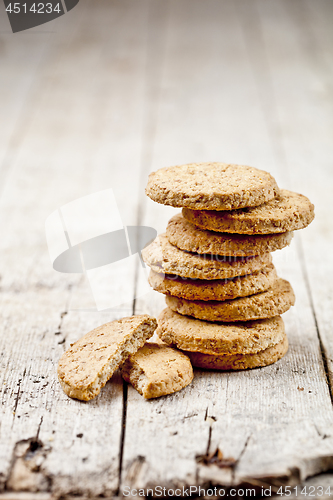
[240,456]
[320,434]
[62,341]
[328,374]
[190,416]
[216,457]
[122,437]
[18,394]
[209,439]
[39,426]
[244,448]
[210,419]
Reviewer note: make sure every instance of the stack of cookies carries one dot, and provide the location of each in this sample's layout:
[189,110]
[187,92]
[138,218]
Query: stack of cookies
[214,262]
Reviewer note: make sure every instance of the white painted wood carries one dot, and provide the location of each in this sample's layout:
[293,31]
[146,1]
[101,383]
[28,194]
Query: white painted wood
[23,58]
[271,421]
[85,134]
[302,86]
[131,87]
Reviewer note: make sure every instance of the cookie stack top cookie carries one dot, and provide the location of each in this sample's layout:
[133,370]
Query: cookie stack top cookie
[211,186]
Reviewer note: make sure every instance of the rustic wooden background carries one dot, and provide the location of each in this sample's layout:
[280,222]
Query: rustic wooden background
[99,98]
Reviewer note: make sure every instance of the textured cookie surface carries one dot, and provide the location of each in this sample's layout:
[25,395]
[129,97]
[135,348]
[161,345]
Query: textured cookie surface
[287,212]
[195,335]
[274,301]
[163,257]
[211,186]
[192,289]
[240,361]
[186,236]
[156,370]
[86,367]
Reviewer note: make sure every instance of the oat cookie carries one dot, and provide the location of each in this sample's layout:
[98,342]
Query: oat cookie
[211,186]
[162,257]
[287,212]
[156,370]
[89,363]
[240,361]
[276,300]
[186,236]
[191,289]
[195,335]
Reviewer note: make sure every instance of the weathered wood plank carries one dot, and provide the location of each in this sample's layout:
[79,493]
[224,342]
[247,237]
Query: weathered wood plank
[23,57]
[124,106]
[285,67]
[85,135]
[302,86]
[267,420]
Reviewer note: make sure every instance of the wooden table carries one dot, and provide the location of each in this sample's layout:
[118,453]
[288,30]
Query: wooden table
[97,99]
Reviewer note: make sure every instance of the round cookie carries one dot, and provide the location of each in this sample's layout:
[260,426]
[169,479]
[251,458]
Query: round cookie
[194,335]
[287,212]
[162,257]
[157,370]
[277,300]
[191,289]
[186,236]
[211,186]
[240,361]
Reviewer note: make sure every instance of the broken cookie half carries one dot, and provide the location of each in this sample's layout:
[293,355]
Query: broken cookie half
[86,367]
[157,370]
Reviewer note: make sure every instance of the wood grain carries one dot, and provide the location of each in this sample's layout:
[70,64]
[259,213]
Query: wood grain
[305,115]
[66,153]
[116,90]
[267,419]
